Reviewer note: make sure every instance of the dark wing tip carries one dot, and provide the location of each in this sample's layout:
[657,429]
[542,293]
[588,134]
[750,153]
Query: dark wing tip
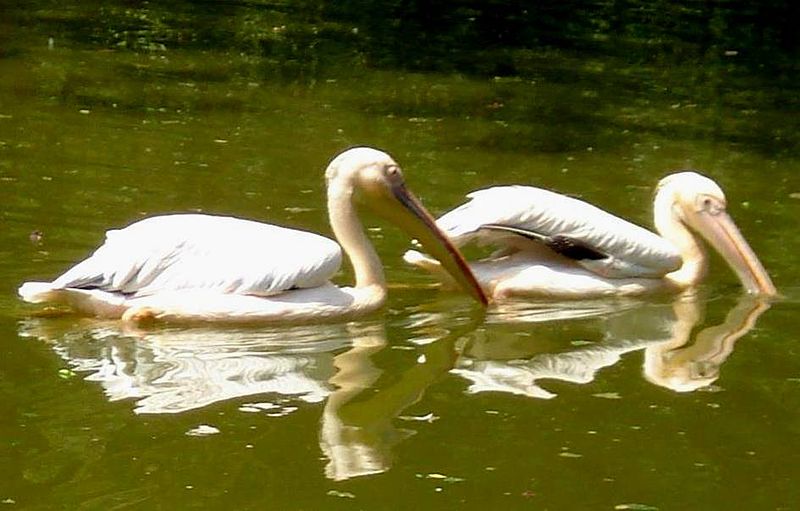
[573,249]
[560,244]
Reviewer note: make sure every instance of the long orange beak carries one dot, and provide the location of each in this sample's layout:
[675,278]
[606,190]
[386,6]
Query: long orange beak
[422,226]
[721,232]
[416,221]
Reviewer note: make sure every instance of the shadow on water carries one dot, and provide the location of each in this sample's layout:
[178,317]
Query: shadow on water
[275,372]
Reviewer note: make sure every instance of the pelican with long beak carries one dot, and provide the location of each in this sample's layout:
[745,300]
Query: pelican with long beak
[552,245]
[190,267]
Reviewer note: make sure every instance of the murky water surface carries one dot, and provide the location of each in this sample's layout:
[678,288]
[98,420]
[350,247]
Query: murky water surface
[642,404]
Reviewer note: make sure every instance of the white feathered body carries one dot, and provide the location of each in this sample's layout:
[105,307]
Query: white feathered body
[204,252]
[634,258]
[631,250]
[193,266]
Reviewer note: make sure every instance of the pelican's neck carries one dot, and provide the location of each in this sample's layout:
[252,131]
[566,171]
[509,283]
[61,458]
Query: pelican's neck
[351,236]
[670,226]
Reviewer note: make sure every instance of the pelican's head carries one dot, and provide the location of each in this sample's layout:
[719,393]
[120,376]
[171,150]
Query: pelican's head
[699,203]
[371,178]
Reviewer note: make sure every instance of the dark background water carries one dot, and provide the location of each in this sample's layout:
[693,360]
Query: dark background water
[707,56]
[110,111]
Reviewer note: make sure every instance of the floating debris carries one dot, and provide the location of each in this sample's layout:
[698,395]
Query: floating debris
[429,418]
[608,395]
[341,494]
[257,407]
[203,430]
[272,409]
[66,374]
[636,507]
[286,410]
[441,477]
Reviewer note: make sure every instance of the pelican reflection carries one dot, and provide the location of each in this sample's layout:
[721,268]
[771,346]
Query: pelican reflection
[272,371]
[177,370]
[682,365]
[675,357]
[358,431]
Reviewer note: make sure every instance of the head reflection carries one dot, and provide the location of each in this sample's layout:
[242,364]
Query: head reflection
[685,362]
[677,356]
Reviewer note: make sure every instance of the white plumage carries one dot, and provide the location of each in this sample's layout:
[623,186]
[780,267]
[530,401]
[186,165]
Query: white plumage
[213,268]
[557,246]
[204,252]
[632,251]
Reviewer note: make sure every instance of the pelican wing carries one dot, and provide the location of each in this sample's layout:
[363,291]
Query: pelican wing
[618,248]
[229,255]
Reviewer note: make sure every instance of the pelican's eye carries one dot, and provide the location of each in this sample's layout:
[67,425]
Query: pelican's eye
[393,172]
[710,205]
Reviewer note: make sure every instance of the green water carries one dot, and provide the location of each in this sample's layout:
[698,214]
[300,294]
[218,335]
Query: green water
[109,113]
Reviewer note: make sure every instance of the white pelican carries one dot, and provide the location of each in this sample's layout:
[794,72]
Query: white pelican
[552,245]
[213,268]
